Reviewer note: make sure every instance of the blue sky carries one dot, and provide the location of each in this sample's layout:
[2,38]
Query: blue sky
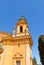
[33,10]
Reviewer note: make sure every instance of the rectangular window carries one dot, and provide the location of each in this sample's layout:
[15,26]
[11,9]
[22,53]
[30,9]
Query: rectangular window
[18,63]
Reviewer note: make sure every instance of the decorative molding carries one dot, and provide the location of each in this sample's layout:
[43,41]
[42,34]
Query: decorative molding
[17,40]
[18,56]
[21,23]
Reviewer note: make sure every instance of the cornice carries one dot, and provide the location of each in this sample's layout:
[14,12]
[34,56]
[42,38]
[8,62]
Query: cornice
[17,40]
[21,23]
[22,33]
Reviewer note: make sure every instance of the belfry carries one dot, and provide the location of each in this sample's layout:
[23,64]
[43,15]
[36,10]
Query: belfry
[16,48]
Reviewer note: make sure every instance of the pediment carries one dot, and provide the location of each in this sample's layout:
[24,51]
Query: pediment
[4,34]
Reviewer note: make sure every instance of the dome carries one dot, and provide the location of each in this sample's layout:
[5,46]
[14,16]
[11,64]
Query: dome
[22,18]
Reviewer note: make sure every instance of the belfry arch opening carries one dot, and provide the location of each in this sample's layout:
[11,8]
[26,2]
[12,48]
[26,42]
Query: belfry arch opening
[21,28]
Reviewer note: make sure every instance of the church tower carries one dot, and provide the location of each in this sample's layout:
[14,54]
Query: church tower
[17,47]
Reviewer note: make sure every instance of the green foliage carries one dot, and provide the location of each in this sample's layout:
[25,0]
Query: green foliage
[41,48]
[35,61]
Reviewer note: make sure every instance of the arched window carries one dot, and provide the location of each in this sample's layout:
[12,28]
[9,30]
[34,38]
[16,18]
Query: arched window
[21,29]
[18,63]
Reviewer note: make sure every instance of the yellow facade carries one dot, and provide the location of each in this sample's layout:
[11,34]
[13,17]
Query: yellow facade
[17,47]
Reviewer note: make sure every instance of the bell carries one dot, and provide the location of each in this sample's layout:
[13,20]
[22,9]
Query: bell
[1,49]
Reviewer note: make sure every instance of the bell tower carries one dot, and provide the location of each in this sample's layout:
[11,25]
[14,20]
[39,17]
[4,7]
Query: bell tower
[17,47]
[22,25]
[24,43]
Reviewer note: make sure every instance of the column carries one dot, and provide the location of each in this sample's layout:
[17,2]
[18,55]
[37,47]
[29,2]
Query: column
[27,54]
